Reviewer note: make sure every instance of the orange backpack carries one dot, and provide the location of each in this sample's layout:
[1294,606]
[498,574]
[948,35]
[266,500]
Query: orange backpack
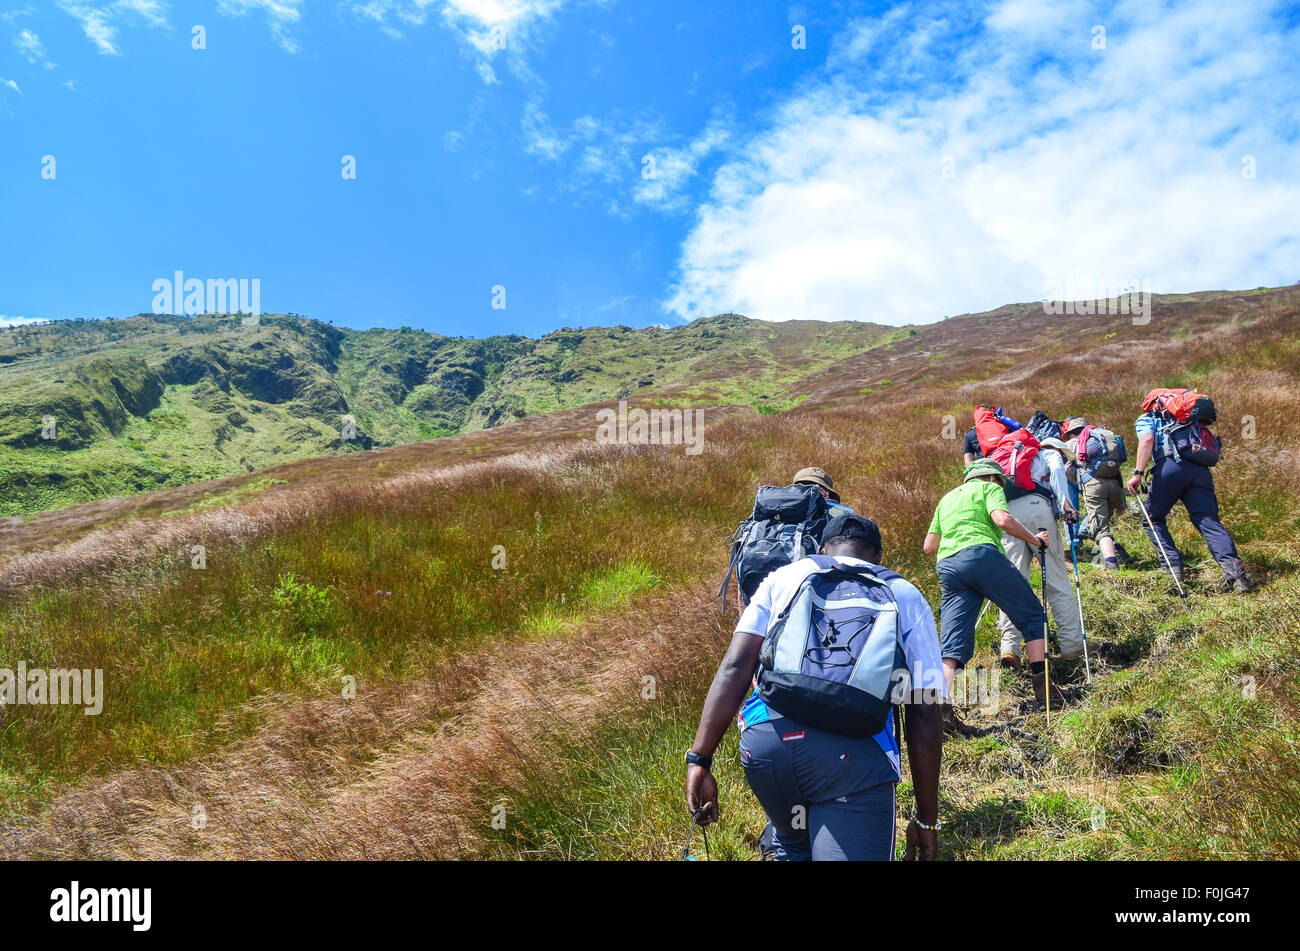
[1181,406]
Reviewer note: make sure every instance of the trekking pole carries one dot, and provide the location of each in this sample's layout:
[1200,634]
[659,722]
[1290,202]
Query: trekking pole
[1159,544]
[1078,598]
[686,852]
[982,610]
[1047,668]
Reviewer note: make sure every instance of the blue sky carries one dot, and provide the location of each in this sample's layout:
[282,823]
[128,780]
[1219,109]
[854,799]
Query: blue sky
[913,161]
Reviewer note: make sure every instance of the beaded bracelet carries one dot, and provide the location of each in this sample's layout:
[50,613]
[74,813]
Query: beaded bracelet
[934,828]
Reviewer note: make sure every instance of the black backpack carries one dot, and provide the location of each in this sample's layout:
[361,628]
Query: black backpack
[786,525]
[1043,427]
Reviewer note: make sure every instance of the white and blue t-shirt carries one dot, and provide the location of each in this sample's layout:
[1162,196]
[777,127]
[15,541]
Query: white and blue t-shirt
[1149,425]
[919,634]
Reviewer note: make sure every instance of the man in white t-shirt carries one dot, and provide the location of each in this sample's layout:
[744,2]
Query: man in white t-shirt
[827,796]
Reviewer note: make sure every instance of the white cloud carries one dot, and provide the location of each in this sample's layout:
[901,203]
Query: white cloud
[32,49]
[488,28]
[7,321]
[282,15]
[1116,163]
[10,84]
[675,168]
[99,21]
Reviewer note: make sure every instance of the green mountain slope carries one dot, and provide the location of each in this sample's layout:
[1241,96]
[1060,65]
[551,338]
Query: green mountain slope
[90,409]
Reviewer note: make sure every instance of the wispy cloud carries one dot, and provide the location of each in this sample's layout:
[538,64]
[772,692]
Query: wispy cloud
[956,156]
[100,21]
[676,167]
[32,49]
[488,28]
[7,321]
[282,16]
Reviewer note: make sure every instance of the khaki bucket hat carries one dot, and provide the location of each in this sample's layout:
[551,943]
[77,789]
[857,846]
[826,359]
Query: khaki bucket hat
[811,475]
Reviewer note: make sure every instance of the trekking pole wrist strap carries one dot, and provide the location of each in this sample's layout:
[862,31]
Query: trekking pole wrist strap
[929,828]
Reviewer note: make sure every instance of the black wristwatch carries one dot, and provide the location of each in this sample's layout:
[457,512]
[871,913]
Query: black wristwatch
[697,760]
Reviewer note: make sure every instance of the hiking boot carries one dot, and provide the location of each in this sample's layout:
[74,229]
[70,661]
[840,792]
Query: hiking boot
[952,723]
[1009,661]
[1040,690]
[1242,583]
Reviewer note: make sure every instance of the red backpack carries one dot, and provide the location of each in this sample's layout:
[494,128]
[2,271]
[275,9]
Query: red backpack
[1015,452]
[988,428]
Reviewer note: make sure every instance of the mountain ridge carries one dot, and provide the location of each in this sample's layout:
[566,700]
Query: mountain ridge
[148,401]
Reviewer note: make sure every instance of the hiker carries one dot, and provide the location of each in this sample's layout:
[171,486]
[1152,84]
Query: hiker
[828,793]
[785,525]
[966,536]
[812,475]
[1044,427]
[1170,419]
[1099,453]
[1038,510]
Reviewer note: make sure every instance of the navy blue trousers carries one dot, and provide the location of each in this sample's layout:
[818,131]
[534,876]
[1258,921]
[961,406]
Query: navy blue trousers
[969,577]
[1193,485]
[829,797]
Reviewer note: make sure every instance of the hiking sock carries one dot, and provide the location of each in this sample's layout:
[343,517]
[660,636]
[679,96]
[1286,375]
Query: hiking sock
[1037,667]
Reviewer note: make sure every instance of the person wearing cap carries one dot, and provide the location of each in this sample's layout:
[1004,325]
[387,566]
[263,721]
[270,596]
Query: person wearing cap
[1038,510]
[1103,497]
[966,536]
[827,796]
[812,475]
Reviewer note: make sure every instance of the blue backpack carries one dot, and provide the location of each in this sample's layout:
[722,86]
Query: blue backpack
[786,525]
[833,658]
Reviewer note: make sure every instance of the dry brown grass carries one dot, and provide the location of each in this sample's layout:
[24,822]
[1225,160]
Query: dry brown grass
[406,770]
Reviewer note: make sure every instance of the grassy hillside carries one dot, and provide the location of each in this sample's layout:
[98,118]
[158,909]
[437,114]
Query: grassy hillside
[564,683]
[149,401]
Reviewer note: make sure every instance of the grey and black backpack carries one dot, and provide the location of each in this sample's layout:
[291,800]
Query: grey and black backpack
[833,658]
[786,525]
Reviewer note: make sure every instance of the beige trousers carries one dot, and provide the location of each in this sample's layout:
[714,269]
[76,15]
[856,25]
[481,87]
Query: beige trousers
[1035,513]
